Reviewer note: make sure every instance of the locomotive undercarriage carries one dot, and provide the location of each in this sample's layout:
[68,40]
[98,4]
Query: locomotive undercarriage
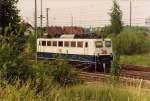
[104,67]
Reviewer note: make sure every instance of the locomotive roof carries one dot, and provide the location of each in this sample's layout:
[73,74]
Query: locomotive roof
[72,39]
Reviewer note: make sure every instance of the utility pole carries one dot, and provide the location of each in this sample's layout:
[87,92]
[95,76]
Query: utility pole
[71,20]
[71,24]
[35,18]
[130,13]
[35,26]
[41,16]
[47,22]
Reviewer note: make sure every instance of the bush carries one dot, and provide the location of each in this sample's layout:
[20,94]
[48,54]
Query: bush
[13,64]
[64,74]
[132,42]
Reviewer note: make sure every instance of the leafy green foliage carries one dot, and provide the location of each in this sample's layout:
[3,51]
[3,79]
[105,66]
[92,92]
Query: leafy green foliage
[30,45]
[139,59]
[64,74]
[9,15]
[13,64]
[116,17]
[116,67]
[142,30]
[132,42]
[116,27]
[106,31]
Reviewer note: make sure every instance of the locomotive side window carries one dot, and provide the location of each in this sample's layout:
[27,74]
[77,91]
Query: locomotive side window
[60,43]
[86,44]
[73,44]
[66,44]
[99,44]
[80,44]
[48,43]
[108,43]
[55,43]
[43,43]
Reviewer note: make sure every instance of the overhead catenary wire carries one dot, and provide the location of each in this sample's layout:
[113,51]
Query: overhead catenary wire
[81,16]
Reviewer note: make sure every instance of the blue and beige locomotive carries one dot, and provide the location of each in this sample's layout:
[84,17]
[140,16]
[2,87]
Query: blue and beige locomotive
[90,51]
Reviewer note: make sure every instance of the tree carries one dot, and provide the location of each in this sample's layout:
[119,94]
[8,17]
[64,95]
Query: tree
[9,14]
[116,26]
[116,17]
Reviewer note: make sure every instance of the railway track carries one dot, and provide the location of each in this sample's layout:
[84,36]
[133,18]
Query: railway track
[130,75]
[136,67]
[93,76]
[136,74]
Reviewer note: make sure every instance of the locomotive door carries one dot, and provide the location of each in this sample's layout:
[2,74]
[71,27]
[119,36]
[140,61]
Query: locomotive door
[86,48]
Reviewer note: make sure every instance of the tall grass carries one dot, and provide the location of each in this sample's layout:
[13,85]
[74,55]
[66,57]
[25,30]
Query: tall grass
[82,92]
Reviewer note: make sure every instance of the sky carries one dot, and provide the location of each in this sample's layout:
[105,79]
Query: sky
[86,13]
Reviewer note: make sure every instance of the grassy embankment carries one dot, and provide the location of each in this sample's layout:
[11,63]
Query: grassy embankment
[143,59]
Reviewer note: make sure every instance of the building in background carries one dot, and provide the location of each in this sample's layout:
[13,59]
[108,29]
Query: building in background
[57,30]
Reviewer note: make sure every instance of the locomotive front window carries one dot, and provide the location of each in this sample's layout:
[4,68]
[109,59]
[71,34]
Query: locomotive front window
[43,43]
[108,43]
[80,44]
[54,43]
[48,43]
[60,43]
[73,44]
[99,44]
[66,44]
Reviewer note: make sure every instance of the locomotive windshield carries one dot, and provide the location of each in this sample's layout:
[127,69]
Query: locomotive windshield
[108,43]
[99,44]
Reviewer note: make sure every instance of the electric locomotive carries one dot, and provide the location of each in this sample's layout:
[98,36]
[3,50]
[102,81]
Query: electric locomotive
[92,51]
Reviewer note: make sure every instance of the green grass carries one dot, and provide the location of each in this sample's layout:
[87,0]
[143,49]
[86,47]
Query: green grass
[143,59]
[82,92]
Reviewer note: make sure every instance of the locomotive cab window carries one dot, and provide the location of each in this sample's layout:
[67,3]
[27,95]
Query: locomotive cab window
[99,44]
[108,43]
[43,43]
[66,43]
[55,43]
[80,44]
[48,43]
[60,43]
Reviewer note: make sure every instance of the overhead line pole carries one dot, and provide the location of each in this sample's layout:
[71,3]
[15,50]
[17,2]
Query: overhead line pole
[130,13]
[71,20]
[47,13]
[41,16]
[71,24]
[35,29]
[35,18]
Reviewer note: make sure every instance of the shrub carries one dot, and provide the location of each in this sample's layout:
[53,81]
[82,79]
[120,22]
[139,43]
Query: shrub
[64,74]
[15,67]
[132,42]
[13,64]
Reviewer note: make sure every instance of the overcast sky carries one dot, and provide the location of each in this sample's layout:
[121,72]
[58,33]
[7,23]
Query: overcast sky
[85,13]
